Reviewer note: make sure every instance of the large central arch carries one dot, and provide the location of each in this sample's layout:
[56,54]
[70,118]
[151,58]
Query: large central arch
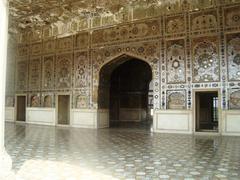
[123,90]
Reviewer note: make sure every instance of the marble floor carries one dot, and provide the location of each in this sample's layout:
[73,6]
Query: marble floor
[57,153]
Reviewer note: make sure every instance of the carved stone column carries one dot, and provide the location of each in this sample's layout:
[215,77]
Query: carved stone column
[5,160]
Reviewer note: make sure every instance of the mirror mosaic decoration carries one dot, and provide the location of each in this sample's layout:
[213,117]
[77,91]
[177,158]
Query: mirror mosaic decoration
[196,48]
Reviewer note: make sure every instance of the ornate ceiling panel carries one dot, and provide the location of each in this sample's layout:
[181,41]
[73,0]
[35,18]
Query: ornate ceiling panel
[83,14]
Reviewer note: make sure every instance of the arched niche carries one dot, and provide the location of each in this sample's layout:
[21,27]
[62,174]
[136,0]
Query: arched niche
[123,89]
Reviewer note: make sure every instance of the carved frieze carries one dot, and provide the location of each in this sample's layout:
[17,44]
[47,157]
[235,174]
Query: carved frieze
[63,71]
[205,57]
[81,69]
[233,56]
[176,63]
[34,73]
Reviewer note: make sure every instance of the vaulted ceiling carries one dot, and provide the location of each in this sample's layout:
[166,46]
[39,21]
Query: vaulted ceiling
[32,14]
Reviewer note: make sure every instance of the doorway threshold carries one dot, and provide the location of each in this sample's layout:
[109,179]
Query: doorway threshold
[207,133]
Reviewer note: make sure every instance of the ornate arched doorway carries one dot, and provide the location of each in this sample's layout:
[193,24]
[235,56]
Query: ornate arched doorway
[123,92]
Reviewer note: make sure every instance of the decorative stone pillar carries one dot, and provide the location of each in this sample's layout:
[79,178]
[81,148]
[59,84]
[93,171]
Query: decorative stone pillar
[5,160]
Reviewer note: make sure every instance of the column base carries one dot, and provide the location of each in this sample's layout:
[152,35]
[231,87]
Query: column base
[6,166]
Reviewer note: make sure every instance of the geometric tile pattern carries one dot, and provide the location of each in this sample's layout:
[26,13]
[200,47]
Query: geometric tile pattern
[57,153]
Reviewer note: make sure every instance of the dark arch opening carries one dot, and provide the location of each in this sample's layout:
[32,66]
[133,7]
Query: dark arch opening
[124,91]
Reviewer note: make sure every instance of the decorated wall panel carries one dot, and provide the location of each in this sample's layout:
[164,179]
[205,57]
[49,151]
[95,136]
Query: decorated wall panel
[36,49]
[47,100]
[49,46]
[48,72]
[35,100]
[234,99]
[127,32]
[22,50]
[204,21]
[176,99]
[189,50]
[63,78]
[81,40]
[35,73]
[21,75]
[232,17]
[81,69]
[233,56]
[205,59]
[176,61]
[81,101]
[147,51]
[64,44]
[175,24]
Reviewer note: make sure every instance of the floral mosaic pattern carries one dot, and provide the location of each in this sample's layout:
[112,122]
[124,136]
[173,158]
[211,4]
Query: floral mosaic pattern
[176,62]
[205,61]
[233,55]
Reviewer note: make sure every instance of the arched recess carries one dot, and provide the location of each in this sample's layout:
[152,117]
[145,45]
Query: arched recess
[123,98]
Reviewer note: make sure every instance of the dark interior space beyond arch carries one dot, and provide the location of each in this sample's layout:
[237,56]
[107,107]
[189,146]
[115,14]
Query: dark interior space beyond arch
[123,89]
